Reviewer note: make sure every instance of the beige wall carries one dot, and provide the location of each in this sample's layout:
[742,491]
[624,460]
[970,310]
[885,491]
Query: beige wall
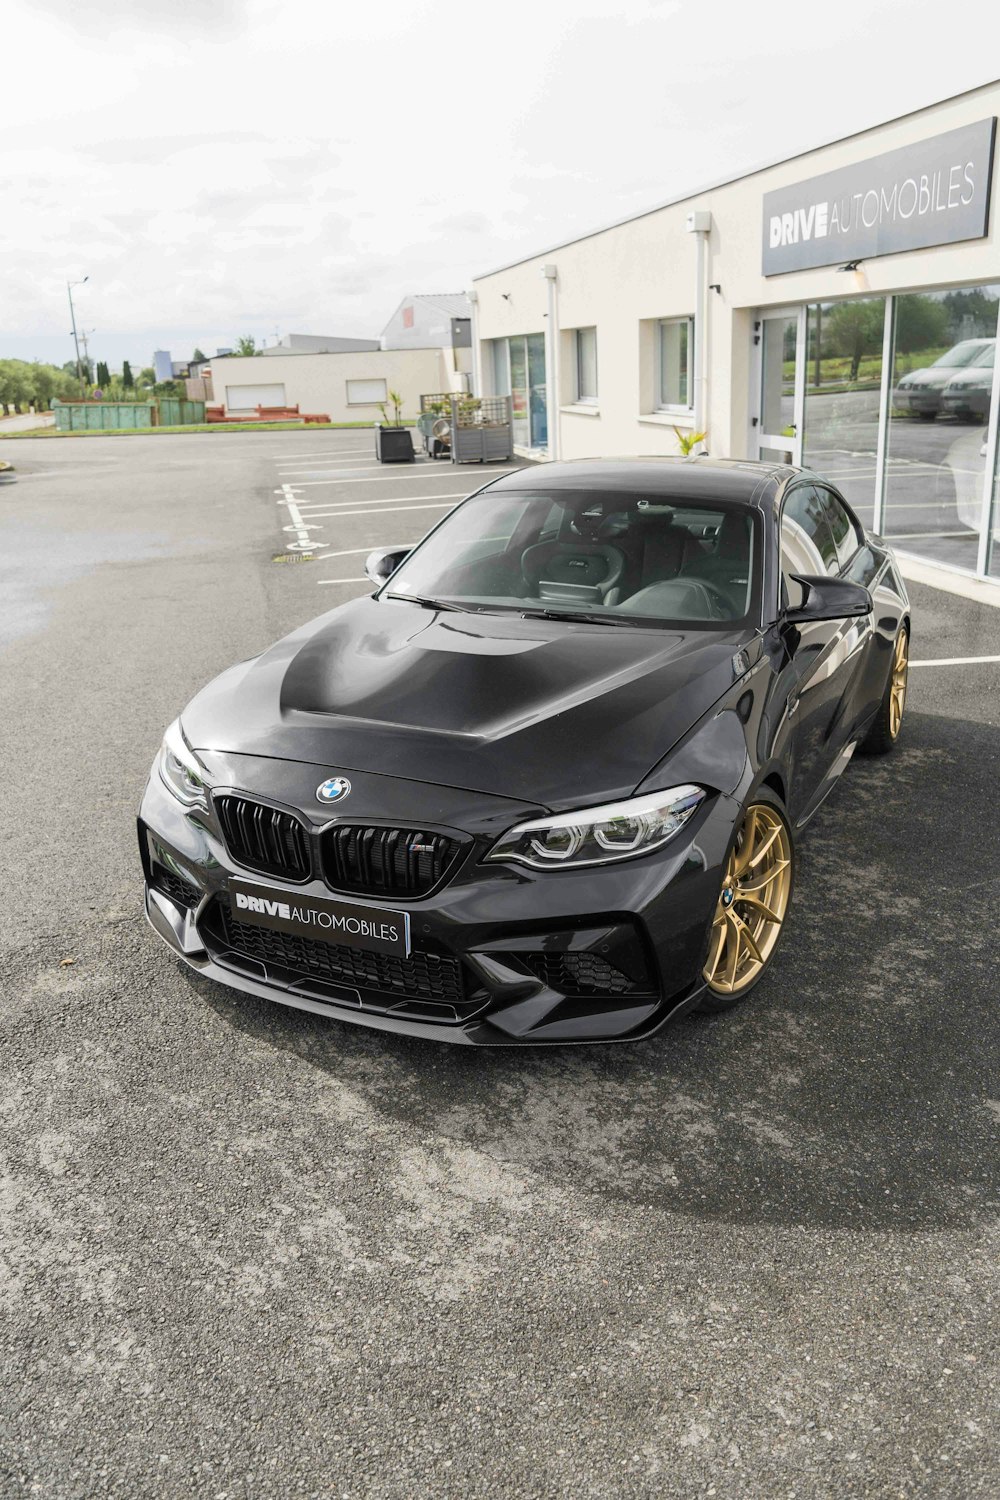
[318,382]
[645,270]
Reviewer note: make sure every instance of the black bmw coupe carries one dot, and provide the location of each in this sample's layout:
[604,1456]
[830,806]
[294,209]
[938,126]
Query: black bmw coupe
[544,784]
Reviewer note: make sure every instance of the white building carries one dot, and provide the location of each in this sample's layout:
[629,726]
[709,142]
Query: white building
[346,387]
[783,312]
[318,343]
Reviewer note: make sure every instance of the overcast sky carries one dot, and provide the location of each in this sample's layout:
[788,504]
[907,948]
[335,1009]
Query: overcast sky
[220,167]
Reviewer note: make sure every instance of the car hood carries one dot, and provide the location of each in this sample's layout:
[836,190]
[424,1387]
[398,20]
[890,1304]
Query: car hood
[555,713]
[929,378]
[982,375]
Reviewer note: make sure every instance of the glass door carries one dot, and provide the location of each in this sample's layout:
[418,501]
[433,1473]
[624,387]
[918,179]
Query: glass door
[780,343]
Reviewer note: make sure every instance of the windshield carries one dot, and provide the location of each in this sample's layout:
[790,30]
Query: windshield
[985,356]
[614,558]
[962,354]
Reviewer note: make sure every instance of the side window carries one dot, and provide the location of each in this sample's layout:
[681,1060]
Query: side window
[845,532]
[807,544]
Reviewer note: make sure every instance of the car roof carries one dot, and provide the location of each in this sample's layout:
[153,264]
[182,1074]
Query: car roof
[742,481]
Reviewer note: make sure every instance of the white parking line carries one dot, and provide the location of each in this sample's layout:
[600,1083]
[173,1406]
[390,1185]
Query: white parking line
[298,526]
[363,579]
[384,510]
[953,661]
[330,508]
[322,453]
[350,552]
[391,478]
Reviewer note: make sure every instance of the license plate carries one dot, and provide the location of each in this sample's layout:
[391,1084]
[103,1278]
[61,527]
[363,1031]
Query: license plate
[332,921]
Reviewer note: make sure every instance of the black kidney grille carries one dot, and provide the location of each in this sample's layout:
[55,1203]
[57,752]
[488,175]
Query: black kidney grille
[264,838]
[386,861]
[424,977]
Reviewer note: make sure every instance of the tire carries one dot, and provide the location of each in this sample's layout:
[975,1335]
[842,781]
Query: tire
[729,982]
[884,731]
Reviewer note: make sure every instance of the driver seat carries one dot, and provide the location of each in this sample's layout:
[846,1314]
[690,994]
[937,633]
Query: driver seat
[587,571]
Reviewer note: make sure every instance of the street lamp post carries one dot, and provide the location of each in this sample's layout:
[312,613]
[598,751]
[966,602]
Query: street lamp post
[76,342]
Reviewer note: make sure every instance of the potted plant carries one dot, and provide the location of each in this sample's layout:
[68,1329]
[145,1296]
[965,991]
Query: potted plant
[393,441]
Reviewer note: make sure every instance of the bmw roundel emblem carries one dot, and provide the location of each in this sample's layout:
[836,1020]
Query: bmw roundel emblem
[334,789]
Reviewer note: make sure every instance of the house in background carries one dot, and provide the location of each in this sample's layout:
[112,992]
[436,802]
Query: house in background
[319,343]
[440,320]
[348,387]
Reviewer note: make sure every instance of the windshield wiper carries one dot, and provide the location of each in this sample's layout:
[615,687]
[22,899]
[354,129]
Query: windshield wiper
[431,603]
[568,614]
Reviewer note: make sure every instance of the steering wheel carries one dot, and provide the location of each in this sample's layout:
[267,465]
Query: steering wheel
[721,606]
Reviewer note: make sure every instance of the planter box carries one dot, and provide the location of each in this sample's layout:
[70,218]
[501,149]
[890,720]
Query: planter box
[393,445]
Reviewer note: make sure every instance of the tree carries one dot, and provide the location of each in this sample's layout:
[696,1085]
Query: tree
[103,374]
[854,329]
[128,380]
[245,344]
[197,357]
[147,376]
[921,323]
[17,385]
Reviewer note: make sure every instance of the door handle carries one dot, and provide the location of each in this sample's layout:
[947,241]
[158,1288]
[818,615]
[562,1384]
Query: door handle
[793,705]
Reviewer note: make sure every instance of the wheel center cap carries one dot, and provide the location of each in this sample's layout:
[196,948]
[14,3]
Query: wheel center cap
[728,896]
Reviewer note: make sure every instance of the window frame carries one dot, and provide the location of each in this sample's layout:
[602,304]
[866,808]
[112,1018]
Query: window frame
[366,380]
[661,405]
[823,486]
[579,397]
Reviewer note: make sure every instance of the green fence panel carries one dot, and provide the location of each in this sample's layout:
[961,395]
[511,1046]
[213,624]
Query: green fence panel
[98,416]
[175,411]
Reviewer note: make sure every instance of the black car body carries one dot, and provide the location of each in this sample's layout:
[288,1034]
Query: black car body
[329,824]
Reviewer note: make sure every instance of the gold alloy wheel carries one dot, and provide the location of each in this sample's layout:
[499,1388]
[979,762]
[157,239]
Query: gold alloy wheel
[752,903]
[897,687]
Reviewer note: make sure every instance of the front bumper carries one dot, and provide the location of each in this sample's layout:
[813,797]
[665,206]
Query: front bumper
[971,400]
[501,955]
[920,399]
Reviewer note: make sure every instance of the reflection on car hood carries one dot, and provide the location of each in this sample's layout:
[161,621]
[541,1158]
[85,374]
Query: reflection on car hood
[556,713]
[929,377]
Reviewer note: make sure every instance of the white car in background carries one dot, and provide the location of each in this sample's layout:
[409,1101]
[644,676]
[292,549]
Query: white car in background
[968,392]
[920,392]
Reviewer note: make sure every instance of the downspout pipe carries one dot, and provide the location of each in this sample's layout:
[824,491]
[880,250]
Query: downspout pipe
[551,274]
[477,353]
[699,223]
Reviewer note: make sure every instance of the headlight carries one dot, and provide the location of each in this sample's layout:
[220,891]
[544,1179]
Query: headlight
[180,771]
[600,835]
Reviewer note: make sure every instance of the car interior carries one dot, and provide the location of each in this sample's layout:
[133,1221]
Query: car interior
[608,553]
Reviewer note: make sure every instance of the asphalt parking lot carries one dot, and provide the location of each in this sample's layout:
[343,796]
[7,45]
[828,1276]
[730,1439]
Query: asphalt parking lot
[249,1252]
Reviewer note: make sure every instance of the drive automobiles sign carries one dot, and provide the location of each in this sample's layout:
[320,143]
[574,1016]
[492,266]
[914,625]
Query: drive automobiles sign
[931,193]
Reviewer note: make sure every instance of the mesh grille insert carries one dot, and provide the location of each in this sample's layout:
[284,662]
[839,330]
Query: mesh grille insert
[386,861]
[425,978]
[581,974]
[175,887]
[264,838]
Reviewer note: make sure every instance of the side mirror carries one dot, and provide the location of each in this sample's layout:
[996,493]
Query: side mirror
[828,599]
[382,563]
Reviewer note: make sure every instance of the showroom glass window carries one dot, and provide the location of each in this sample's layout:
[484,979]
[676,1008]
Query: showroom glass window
[843,380]
[585,342]
[519,367]
[941,391]
[674,357]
